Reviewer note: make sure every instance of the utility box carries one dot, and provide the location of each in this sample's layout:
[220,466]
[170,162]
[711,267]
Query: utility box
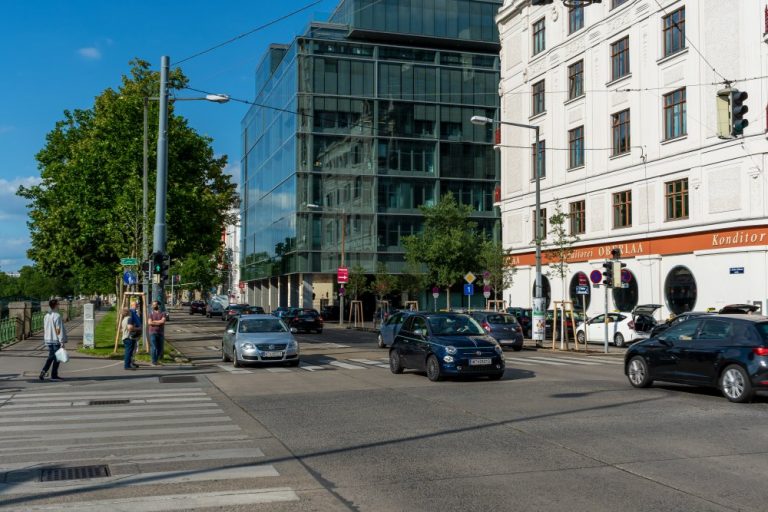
[88,326]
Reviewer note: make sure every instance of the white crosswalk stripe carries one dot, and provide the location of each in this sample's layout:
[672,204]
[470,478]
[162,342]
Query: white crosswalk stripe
[562,360]
[162,437]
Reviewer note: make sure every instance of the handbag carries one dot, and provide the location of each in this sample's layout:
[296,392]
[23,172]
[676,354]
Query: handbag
[62,356]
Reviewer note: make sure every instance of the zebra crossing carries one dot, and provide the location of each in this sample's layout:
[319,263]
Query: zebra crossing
[144,443]
[564,360]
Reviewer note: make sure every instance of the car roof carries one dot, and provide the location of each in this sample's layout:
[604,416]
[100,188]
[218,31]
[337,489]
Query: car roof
[747,318]
[257,316]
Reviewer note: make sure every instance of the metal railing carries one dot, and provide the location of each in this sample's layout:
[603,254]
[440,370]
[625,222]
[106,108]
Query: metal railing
[7,330]
[37,321]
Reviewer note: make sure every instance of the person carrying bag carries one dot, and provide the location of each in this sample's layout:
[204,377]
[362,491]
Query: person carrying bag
[55,337]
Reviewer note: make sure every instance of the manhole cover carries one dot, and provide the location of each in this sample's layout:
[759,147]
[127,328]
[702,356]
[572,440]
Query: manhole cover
[109,402]
[178,379]
[75,473]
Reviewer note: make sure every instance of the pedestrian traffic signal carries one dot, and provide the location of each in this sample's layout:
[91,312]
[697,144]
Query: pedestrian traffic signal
[157,263]
[738,109]
[145,266]
[608,274]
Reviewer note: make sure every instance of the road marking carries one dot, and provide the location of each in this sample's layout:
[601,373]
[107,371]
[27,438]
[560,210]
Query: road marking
[576,361]
[232,369]
[121,394]
[310,367]
[216,349]
[159,478]
[152,413]
[36,405]
[93,434]
[106,408]
[167,503]
[346,365]
[309,344]
[545,361]
[185,418]
[608,360]
[278,370]
[112,446]
[145,458]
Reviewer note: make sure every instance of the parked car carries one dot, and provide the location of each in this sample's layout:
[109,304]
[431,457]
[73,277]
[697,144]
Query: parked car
[304,319]
[241,309]
[330,312]
[197,306]
[524,317]
[281,311]
[738,309]
[186,303]
[214,308]
[259,339]
[619,329]
[446,344]
[729,352]
[682,317]
[502,327]
[390,328]
[643,321]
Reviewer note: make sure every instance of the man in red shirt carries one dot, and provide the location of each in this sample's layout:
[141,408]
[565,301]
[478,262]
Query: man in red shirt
[156,333]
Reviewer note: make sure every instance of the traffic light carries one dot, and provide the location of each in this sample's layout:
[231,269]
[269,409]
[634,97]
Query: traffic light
[617,267]
[166,265]
[738,109]
[145,266]
[157,263]
[608,273]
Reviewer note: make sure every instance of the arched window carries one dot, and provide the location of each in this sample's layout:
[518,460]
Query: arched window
[625,299]
[680,290]
[580,302]
[546,291]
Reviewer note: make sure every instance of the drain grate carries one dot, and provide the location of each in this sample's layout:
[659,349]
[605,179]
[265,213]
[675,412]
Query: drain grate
[109,402]
[75,473]
[178,379]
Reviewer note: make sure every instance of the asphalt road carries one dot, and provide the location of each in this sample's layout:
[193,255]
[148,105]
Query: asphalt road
[561,431]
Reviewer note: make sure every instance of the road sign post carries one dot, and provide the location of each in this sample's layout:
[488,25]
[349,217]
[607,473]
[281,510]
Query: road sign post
[342,277]
[469,291]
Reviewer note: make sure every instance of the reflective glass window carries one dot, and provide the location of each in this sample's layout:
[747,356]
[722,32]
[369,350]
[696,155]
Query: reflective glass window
[680,290]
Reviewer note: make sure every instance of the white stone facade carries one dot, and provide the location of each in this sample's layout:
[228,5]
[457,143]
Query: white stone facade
[723,230]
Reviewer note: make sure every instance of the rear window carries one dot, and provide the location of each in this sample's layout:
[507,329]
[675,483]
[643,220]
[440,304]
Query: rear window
[501,319]
[762,330]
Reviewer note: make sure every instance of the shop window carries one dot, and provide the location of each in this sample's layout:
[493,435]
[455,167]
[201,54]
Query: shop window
[580,302]
[680,290]
[625,299]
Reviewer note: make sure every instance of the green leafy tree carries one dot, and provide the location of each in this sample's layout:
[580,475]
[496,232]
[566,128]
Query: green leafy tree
[199,271]
[561,248]
[447,244]
[384,282]
[86,212]
[357,283]
[412,281]
[494,259]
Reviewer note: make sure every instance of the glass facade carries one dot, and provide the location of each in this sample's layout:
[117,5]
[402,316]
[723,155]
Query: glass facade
[353,133]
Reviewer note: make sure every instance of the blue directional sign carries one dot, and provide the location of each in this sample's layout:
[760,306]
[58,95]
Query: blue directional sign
[469,289]
[130,277]
[582,290]
[737,270]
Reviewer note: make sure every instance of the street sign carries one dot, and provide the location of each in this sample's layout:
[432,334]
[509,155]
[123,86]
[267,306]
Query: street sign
[129,277]
[582,290]
[435,292]
[625,285]
[737,270]
[486,275]
[469,289]
[582,279]
[342,291]
[595,276]
[487,291]
[470,277]
[626,276]
[343,275]
[129,262]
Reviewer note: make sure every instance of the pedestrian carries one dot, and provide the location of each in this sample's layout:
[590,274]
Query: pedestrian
[156,333]
[55,337]
[131,328]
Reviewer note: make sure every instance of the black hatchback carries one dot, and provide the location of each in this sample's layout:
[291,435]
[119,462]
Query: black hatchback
[729,352]
[446,344]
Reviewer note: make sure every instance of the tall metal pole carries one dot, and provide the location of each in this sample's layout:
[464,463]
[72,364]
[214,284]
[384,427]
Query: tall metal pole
[144,220]
[538,300]
[343,239]
[160,240]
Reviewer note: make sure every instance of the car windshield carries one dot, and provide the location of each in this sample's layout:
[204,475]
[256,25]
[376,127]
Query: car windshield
[458,325]
[262,325]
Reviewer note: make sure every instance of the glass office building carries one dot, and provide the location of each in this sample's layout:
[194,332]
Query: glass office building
[358,122]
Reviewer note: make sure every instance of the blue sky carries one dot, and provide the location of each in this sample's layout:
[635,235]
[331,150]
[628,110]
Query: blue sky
[59,55]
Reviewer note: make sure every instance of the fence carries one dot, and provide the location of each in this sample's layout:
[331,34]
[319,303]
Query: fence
[7,330]
[12,329]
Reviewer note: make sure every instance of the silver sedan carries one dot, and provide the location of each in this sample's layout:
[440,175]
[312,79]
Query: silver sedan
[259,339]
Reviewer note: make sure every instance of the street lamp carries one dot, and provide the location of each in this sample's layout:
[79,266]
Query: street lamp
[160,235]
[343,213]
[538,300]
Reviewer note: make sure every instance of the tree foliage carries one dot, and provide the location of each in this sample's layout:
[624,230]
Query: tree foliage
[447,245]
[357,283]
[86,212]
[383,283]
[496,260]
[561,245]
[34,284]
[198,272]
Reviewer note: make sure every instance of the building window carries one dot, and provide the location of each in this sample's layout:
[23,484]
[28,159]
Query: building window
[674,114]
[620,132]
[578,219]
[625,299]
[677,199]
[576,147]
[622,209]
[543,217]
[616,3]
[620,58]
[581,301]
[539,160]
[680,290]
[575,79]
[575,18]
[539,37]
[539,104]
[674,32]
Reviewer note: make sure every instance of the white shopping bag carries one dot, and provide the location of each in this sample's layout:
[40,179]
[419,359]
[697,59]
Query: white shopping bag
[62,356]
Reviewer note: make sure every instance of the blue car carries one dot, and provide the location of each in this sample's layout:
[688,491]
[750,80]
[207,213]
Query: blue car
[445,344]
[390,328]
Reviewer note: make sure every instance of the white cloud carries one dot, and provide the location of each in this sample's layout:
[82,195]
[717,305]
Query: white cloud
[90,53]
[233,169]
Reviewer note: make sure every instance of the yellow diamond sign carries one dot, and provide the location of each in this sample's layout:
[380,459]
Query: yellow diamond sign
[470,277]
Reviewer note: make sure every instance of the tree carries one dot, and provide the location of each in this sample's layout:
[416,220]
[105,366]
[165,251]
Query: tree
[200,270]
[562,248]
[494,259]
[357,283]
[447,244]
[86,212]
[412,281]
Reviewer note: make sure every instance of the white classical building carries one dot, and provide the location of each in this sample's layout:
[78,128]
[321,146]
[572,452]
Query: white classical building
[230,238]
[624,93]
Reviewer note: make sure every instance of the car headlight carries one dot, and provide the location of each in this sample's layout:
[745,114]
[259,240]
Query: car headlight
[450,349]
[248,346]
[448,359]
[498,349]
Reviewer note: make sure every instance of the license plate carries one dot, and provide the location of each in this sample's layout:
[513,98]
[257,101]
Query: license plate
[273,354]
[505,342]
[480,362]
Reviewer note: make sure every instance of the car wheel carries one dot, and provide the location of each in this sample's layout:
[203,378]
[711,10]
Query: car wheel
[224,356]
[395,366]
[618,340]
[433,368]
[517,349]
[735,384]
[235,361]
[380,341]
[638,374]
[581,337]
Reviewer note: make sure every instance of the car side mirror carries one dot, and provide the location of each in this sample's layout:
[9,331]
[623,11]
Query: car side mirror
[664,341]
[230,331]
[294,330]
